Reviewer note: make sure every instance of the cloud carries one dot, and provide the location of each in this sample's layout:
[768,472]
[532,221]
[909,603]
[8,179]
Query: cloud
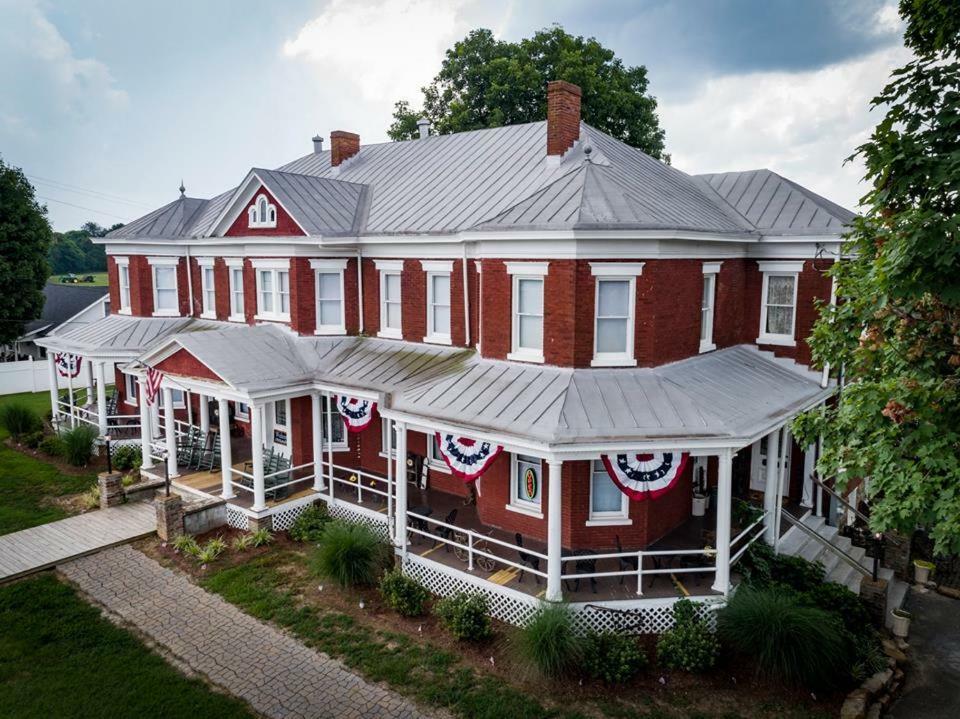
[387,49]
[802,125]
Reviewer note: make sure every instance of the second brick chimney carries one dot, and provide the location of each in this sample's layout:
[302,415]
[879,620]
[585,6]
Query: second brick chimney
[343,146]
[563,116]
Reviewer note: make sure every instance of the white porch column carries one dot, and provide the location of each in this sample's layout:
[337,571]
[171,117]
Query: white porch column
[554,532]
[724,501]
[204,413]
[401,474]
[73,414]
[781,478]
[171,432]
[256,456]
[226,453]
[102,399]
[154,416]
[330,405]
[89,372]
[146,422]
[54,388]
[809,467]
[770,498]
[316,417]
[391,485]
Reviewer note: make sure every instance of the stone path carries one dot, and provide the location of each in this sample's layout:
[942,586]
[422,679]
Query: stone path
[31,550]
[273,672]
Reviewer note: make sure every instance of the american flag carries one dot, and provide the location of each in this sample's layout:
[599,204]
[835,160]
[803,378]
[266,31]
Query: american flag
[154,378]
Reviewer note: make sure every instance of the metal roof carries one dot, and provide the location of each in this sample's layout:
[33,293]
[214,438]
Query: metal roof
[121,334]
[173,220]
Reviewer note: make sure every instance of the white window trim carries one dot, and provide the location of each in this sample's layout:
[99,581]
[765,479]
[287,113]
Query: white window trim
[235,263]
[274,266]
[528,269]
[438,268]
[435,463]
[328,266]
[128,398]
[615,359]
[517,505]
[517,353]
[165,262]
[711,270]
[179,404]
[608,519]
[206,263]
[241,416]
[385,268]
[253,212]
[778,269]
[616,269]
[124,263]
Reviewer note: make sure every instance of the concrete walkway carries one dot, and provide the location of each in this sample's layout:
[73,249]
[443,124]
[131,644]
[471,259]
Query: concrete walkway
[31,550]
[273,672]
[932,689]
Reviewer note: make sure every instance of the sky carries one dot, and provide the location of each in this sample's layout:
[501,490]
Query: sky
[107,106]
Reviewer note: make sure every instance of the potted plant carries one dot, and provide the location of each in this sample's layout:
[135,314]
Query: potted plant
[921,570]
[901,623]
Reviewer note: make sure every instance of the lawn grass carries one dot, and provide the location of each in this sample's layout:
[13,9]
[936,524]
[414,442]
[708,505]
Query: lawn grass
[99,279]
[27,483]
[60,658]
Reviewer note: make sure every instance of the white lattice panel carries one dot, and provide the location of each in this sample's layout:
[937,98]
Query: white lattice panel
[645,618]
[285,518]
[376,521]
[237,519]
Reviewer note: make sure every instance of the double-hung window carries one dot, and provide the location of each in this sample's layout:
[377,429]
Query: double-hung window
[708,302]
[390,296]
[438,300]
[123,282]
[235,272]
[166,301]
[434,460]
[778,303]
[331,418]
[207,289]
[526,484]
[608,505]
[527,310]
[615,303]
[131,387]
[241,412]
[273,289]
[330,296]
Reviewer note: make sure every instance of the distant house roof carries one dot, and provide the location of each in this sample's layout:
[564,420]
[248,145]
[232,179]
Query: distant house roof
[61,303]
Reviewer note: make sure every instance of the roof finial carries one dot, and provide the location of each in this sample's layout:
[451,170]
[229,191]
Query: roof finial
[183,190]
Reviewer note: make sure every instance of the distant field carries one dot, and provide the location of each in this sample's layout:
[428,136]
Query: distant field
[99,279]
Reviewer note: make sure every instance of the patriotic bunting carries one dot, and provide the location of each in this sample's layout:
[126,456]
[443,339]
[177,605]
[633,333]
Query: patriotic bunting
[154,378]
[68,365]
[645,476]
[357,413]
[467,458]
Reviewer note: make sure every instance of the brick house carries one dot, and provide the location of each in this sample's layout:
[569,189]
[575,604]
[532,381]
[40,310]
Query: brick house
[539,361]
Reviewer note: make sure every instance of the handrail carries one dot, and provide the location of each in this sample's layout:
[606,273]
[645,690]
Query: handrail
[833,493]
[832,547]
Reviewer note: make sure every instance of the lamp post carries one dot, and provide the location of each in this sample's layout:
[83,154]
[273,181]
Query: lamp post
[166,471]
[877,543]
[106,441]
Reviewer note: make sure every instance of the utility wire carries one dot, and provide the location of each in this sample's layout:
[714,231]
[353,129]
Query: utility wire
[94,193]
[81,207]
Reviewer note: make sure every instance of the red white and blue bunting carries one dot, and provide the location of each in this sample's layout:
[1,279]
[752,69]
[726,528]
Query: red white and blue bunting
[645,476]
[68,365]
[357,413]
[467,458]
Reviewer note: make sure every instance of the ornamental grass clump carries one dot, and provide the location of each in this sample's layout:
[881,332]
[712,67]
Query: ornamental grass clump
[612,658]
[690,645]
[403,594]
[186,544]
[18,419]
[465,616]
[349,554]
[549,643]
[211,550]
[261,537]
[786,639]
[78,444]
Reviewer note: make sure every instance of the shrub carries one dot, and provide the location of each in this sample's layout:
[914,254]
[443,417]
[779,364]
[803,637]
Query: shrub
[403,594]
[308,527]
[18,419]
[689,645]
[126,457]
[465,616]
[788,640]
[186,544]
[837,599]
[869,657]
[52,446]
[78,444]
[243,542]
[261,537]
[33,439]
[549,643]
[91,498]
[612,658]
[797,572]
[349,554]
[211,550]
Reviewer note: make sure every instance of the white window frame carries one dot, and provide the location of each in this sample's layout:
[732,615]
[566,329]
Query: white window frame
[275,268]
[619,517]
[179,403]
[622,272]
[778,269]
[262,213]
[329,267]
[165,262]
[123,288]
[526,271]
[438,268]
[531,509]
[234,265]
[385,268]
[130,388]
[241,415]
[328,408]
[208,288]
[434,460]
[711,271]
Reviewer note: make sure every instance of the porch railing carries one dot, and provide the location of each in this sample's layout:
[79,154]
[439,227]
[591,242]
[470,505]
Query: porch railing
[89,415]
[751,534]
[353,480]
[638,557]
[289,475]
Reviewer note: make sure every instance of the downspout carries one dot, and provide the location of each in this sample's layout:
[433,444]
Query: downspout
[825,377]
[466,298]
[189,279]
[360,288]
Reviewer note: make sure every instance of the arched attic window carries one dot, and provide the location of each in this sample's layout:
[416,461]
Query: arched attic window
[262,213]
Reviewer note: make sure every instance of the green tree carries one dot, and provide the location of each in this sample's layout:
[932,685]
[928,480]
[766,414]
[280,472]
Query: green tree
[485,82]
[74,251]
[896,330]
[24,241]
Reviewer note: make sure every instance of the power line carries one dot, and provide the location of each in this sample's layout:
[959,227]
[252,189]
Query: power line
[80,190]
[81,207]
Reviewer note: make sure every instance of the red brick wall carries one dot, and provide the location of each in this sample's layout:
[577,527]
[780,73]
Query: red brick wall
[141,287]
[221,284]
[303,296]
[185,364]
[197,280]
[731,312]
[285,224]
[113,283]
[413,295]
[301,430]
[249,290]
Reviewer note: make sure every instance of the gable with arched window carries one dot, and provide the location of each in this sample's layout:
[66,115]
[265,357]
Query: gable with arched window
[262,213]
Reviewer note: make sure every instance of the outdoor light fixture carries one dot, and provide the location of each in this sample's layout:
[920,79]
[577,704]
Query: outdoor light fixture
[106,441]
[163,454]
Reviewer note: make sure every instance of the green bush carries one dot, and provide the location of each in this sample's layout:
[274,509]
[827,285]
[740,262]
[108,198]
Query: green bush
[18,419]
[261,537]
[349,554]
[689,645]
[126,457]
[837,599]
[78,444]
[613,658]
[787,639]
[91,498]
[761,568]
[33,439]
[308,527]
[465,616]
[868,654]
[52,446]
[402,593]
[549,643]
[243,542]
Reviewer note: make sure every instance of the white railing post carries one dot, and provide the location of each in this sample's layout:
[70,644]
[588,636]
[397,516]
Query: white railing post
[640,573]
[470,551]
[146,431]
[226,451]
[330,407]
[554,532]
[171,431]
[724,501]
[391,485]
[401,536]
[316,429]
[54,388]
[73,415]
[770,497]
[781,471]
[102,399]
[256,453]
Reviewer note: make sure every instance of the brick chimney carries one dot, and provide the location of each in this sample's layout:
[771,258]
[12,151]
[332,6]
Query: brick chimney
[563,116]
[343,146]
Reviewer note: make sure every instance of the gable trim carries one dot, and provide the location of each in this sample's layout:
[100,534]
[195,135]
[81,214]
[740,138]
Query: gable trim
[246,192]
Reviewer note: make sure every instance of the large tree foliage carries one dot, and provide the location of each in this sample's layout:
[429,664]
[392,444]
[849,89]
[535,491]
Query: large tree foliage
[485,82]
[896,329]
[24,241]
[73,251]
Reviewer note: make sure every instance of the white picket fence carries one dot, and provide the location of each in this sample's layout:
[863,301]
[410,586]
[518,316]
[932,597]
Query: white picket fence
[29,375]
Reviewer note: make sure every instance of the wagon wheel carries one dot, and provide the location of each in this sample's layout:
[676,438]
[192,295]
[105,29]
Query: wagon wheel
[460,546]
[481,561]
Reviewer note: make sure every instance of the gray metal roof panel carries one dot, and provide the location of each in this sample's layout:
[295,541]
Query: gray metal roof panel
[123,334]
